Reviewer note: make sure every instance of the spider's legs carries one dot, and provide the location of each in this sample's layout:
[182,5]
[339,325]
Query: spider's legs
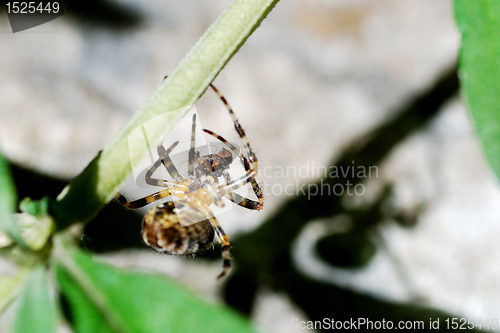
[251,155]
[250,204]
[256,188]
[220,138]
[226,247]
[224,241]
[144,201]
[167,162]
[242,201]
[191,149]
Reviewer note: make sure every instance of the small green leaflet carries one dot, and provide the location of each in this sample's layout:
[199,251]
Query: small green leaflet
[8,202]
[36,312]
[479,70]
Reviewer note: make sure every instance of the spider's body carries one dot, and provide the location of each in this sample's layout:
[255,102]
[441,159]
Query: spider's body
[163,232]
[186,225]
[213,164]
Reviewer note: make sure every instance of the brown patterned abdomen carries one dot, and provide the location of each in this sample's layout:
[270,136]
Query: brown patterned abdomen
[162,231]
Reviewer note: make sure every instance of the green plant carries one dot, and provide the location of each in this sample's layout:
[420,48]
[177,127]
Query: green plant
[41,242]
[479,70]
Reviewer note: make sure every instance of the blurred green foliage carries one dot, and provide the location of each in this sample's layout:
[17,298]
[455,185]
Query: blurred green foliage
[479,69]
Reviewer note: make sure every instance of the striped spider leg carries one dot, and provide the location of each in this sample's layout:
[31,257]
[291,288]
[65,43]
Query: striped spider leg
[164,228]
[235,197]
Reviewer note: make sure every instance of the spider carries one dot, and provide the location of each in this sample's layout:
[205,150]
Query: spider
[161,227]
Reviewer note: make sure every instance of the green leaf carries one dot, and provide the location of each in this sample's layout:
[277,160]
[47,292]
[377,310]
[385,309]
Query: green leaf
[102,178]
[84,315]
[8,203]
[37,310]
[35,231]
[479,69]
[37,208]
[10,287]
[103,298]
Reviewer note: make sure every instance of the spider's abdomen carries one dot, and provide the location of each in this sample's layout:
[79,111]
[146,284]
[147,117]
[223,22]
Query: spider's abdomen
[162,231]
